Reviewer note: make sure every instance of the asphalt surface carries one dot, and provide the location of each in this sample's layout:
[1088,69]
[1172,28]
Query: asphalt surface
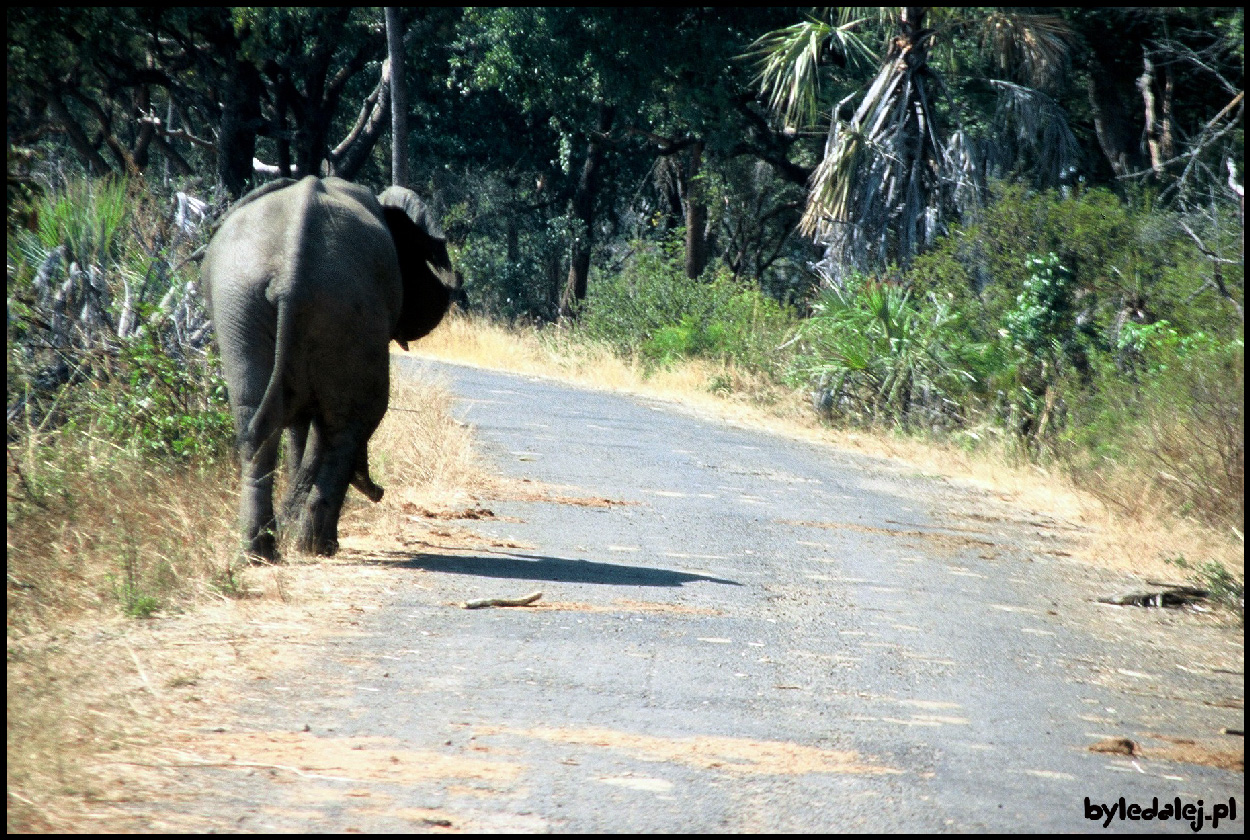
[742,632]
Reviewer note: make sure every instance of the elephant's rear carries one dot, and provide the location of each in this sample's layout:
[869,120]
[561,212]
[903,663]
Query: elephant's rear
[303,286]
[248,257]
[301,283]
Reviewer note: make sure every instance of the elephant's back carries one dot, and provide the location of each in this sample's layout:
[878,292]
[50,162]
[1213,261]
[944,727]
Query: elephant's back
[312,239]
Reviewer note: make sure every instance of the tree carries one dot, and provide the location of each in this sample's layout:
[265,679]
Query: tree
[892,171]
[232,79]
[399,98]
[618,95]
[1164,88]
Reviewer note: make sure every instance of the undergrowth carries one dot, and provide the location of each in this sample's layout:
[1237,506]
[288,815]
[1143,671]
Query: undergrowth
[119,436]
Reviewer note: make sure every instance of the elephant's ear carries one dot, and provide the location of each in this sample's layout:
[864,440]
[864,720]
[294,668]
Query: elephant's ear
[424,263]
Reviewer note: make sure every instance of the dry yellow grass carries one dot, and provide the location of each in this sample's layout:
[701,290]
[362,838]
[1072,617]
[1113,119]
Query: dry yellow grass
[1138,542]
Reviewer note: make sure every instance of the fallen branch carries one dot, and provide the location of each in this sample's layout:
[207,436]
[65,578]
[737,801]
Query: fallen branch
[242,764]
[1169,596]
[503,602]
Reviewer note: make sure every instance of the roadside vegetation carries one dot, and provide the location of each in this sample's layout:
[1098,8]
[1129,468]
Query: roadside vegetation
[1077,406]
[1043,291]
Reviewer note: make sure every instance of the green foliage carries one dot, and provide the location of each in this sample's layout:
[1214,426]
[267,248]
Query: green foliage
[1070,331]
[517,280]
[875,352]
[170,408]
[86,351]
[1172,411]
[87,217]
[652,310]
[1120,255]
[1043,321]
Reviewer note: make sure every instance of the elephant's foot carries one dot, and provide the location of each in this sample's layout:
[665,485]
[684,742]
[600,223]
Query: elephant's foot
[317,533]
[320,546]
[263,548]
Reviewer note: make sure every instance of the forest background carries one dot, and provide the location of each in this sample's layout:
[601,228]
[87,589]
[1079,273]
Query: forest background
[1016,232]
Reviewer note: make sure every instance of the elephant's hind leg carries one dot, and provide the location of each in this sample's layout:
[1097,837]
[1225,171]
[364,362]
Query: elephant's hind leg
[303,461]
[317,531]
[256,498]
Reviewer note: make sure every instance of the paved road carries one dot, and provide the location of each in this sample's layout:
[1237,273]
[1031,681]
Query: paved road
[759,634]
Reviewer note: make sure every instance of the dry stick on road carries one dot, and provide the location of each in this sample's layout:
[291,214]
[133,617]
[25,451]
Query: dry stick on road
[503,602]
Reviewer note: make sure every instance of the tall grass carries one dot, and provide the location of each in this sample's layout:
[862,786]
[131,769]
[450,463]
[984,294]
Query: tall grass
[86,216]
[119,438]
[93,526]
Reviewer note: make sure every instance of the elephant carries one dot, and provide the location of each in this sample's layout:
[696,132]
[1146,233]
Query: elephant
[307,282]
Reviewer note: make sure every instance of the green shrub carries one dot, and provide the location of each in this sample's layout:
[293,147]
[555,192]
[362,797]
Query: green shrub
[650,309]
[521,280]
[1170,413]
[107,334]
[170,408]
[875,352]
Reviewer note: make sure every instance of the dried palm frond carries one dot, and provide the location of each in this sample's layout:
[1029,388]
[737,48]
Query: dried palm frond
[1031,122]
[1033,47]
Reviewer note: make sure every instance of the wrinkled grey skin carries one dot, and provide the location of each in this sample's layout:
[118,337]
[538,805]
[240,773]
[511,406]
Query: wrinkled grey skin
[307,283]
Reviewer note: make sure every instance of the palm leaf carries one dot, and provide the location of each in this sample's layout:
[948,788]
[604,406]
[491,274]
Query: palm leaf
[1034,47]
[789,62]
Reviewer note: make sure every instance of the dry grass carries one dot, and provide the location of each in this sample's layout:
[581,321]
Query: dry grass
[95,698]
[423,457]
[94,533]
[1139,541]
[92,527]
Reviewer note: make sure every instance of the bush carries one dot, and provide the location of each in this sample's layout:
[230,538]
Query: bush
[171,408]
[523,280]
[1170,417]
[106,327]
[118,429]
[876,353]
[651,310]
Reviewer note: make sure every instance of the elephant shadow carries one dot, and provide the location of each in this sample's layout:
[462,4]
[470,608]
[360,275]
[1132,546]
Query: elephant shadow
[514,566]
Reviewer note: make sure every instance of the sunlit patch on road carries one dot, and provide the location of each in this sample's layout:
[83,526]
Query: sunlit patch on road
[742,756]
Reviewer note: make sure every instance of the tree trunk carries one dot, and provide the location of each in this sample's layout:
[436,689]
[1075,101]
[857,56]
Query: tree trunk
[1115,120]
[583,207]
[350,156]
[1158,112]
[696,215]
[240,117]
[95,164]
[399,99]
[147,130]
[920,185]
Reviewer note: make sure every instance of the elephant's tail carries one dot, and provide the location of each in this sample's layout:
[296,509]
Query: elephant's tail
[268,416]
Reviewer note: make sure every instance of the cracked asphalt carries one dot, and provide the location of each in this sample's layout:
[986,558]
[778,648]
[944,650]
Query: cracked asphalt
[738,632]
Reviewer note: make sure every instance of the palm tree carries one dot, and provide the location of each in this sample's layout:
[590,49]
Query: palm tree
[892,174]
